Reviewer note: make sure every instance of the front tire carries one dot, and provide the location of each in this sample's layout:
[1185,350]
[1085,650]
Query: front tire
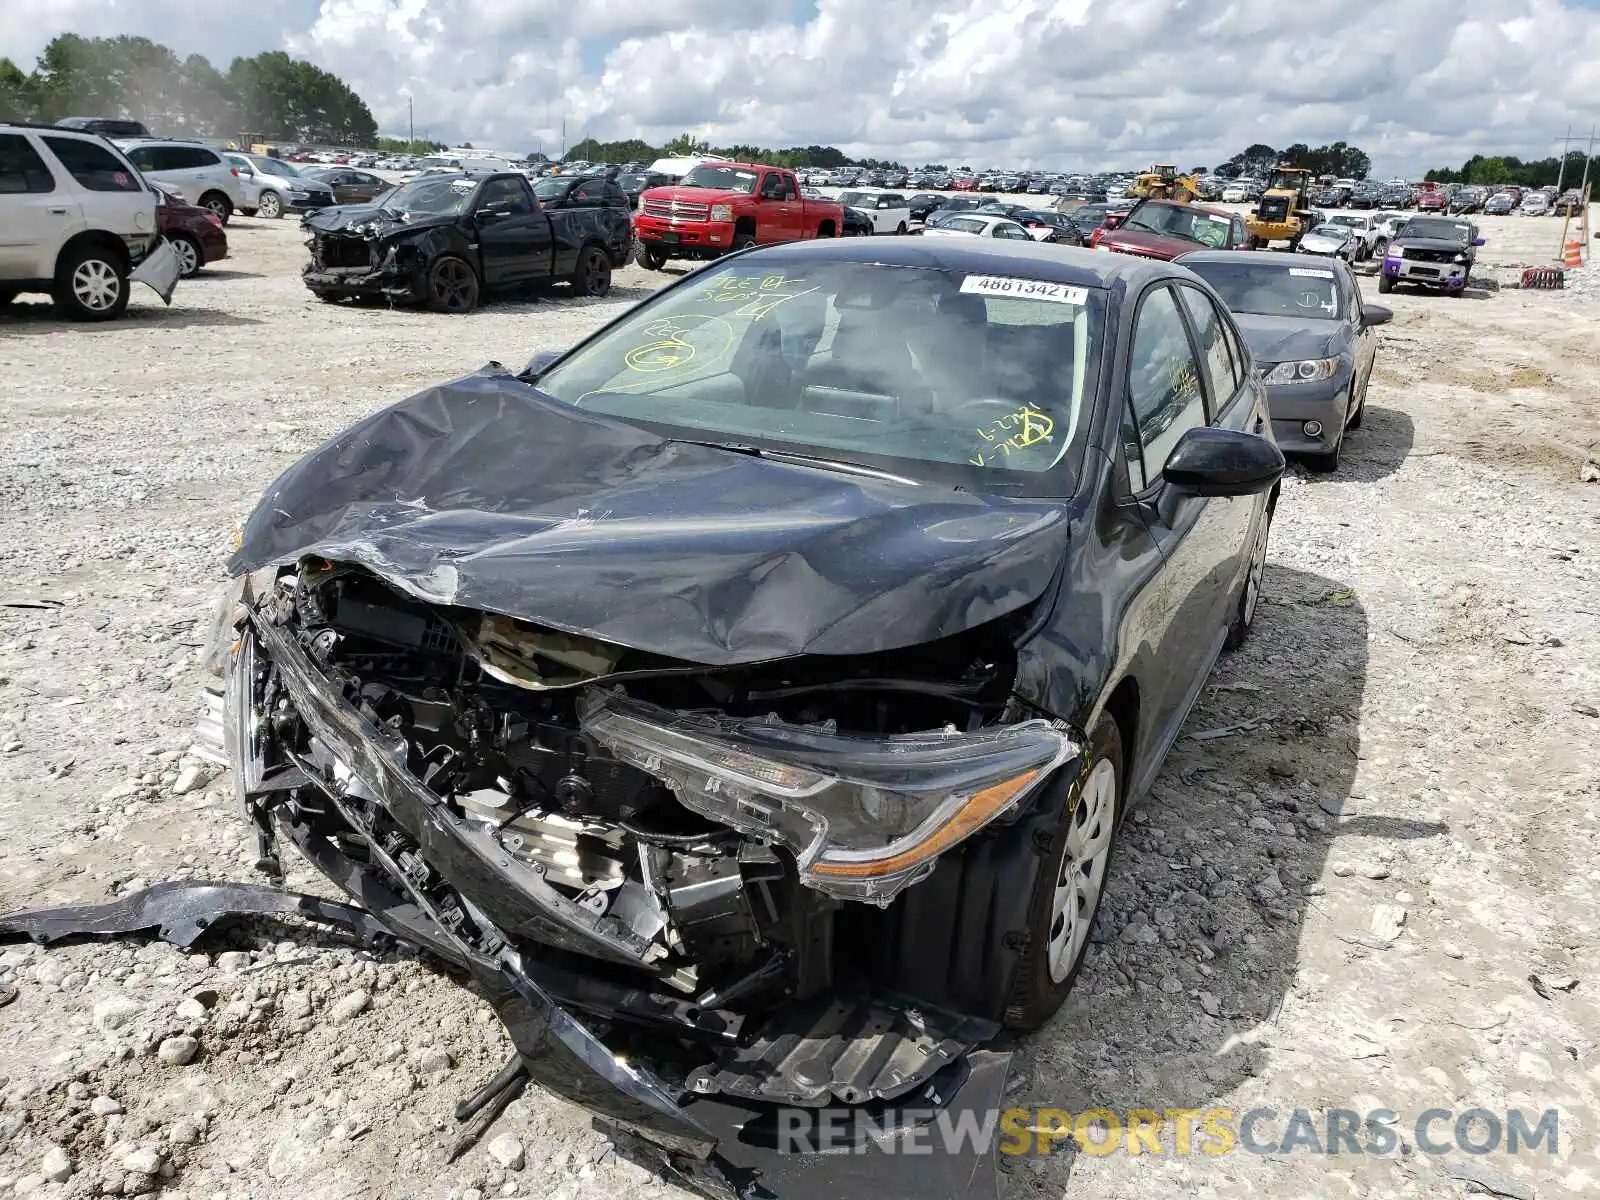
[270,206]
[743,241]
[91,285]
[1385,285]
[1069,886]
[452,285]
[1326,464]
[1244,613]
[900,229]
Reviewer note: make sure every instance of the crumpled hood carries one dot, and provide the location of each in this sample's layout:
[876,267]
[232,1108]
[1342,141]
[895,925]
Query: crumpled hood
[1151,245]
[484,493]
[369,220]
[1425,243]
[1320,244]
[1288,339]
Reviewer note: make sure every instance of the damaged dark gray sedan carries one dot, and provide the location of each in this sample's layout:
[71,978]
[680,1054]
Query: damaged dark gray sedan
[745,699]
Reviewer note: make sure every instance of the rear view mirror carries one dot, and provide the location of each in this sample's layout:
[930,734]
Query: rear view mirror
[1208,461]
[1375,314]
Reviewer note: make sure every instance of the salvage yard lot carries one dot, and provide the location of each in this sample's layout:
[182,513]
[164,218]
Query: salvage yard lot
[1412,725]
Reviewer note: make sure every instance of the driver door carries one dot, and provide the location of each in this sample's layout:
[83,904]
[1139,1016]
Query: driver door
[513,235]
[780,209]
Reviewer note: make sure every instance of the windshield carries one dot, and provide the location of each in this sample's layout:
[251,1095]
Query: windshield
[858,199]
[1333,229]
[1449,231]
[552,189]
[1289,181]
[950,375]
[1347,222]
[629,179]
[1180,221]
[1271,290]
[436,196]
[273,166]
[723,179]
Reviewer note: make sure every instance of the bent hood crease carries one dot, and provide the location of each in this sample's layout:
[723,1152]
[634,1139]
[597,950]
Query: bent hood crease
[484,493]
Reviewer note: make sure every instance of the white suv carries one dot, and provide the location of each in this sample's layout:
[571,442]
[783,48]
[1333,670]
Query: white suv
[202,175]
[77,222]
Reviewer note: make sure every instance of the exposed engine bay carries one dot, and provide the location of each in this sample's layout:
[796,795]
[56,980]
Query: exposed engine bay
[719,854]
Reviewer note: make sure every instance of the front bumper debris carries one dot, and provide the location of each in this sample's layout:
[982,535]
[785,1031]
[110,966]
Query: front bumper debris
[841,1095]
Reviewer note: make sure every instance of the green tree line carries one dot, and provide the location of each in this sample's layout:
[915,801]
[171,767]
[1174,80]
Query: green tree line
[278,97]
[1344,161]
[1508,168]
[635,150]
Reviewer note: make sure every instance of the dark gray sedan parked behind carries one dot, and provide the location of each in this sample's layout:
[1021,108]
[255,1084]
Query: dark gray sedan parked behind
[1311,337]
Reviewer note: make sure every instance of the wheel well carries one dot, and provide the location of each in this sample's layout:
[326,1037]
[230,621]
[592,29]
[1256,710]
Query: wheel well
[112,247]
[825,229]
[1123,707]
[216,192]
[743,226]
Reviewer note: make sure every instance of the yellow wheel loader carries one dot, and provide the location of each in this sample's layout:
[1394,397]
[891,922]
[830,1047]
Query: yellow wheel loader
[1284,212]
[1162,182]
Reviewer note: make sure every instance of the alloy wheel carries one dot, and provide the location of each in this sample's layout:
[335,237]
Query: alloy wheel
[188,256]
[1083,868]
[96,284]
[452,285]
[270,206]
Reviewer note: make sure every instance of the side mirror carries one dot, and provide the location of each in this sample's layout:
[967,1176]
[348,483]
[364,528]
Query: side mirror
[1480,241]
[1375,314]
[539,364]
[1222,462]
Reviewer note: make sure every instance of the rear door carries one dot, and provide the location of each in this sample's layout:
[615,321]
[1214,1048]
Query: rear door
[38,211]
[364,187]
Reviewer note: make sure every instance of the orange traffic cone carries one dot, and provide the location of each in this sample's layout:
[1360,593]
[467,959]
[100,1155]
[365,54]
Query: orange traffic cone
[1572,255]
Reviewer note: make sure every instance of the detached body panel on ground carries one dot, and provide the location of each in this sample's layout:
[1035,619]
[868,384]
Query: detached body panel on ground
[454,239]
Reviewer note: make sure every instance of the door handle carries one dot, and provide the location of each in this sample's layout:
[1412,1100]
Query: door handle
[58,212]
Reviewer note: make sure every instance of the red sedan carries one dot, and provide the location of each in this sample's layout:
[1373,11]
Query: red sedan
[195,233]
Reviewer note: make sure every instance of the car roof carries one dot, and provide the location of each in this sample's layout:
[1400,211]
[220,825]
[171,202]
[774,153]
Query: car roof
[1273,258]
[1050,263]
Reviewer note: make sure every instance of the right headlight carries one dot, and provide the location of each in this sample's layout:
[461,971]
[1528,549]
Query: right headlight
[864,816]
[722,212]
[1306,370]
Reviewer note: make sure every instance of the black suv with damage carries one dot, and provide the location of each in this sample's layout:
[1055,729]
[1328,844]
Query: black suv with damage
[746,699]
[450,240]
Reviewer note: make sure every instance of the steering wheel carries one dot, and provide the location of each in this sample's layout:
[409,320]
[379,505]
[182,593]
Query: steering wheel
[999,407]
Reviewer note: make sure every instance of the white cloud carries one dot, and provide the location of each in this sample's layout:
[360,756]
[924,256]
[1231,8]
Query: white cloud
[987,82]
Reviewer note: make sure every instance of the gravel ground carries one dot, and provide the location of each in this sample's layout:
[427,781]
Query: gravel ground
[1380,823]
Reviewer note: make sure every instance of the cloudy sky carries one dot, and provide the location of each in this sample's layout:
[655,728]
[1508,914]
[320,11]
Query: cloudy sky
[1065,83]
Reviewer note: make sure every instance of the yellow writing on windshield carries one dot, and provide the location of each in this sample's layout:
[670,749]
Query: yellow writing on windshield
[1014,431]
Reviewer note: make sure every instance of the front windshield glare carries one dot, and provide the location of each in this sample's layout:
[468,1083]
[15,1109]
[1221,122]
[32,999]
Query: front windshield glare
[723,179]
[1449,231]
[949,375]
[274,166]
[1272,291]
[1181,221]
[436,197]
[549,189]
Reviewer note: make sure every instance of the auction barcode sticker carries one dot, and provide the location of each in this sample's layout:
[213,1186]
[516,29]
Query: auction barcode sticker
[1024,289]
[1311,272]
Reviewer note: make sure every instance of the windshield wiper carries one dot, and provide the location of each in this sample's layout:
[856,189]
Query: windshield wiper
[840,466]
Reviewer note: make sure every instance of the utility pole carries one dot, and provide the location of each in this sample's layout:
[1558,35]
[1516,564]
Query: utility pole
[411,120]
[1561,175]
[1589,154]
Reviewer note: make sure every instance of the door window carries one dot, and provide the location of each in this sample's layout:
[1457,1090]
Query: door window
[1221,370]
[776,187]
[21,168]
[94,167]
[505,195]
[590,191]
[1163,385]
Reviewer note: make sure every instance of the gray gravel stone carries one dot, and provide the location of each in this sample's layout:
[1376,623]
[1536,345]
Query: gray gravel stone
[178,1051]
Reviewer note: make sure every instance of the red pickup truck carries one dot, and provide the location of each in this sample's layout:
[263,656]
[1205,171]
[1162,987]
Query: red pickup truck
[724,206]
